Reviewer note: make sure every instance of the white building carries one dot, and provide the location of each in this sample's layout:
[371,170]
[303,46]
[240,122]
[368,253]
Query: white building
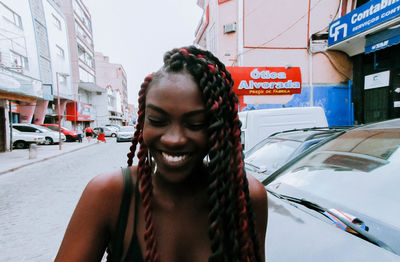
[21,72]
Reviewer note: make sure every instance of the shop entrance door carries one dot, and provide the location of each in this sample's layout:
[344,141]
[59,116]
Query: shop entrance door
[2,130]
[376,104]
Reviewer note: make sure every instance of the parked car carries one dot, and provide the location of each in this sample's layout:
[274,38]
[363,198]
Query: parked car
[125,133]
[117,127]
[108,131]
[71,135]
[51,136]
[338,201]
[273,152]
[23,140]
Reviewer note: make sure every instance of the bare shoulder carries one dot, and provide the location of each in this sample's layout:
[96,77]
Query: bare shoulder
[107,189]
[258,194]
[94,219]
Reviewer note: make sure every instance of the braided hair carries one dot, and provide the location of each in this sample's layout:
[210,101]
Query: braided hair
[231,219]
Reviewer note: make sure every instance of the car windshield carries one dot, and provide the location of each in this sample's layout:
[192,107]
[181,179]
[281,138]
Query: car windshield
[366,159]
[271,153]
[127,129]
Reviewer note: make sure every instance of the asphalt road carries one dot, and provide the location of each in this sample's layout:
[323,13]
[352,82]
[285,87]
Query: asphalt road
[36,202]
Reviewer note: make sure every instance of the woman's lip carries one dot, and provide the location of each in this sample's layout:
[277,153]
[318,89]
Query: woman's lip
[175,160]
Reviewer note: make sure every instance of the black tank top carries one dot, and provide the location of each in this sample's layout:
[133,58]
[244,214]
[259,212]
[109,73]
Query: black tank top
[115,249]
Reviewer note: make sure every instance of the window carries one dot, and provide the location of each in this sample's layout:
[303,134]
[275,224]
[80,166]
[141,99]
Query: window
[85,57]
[11,16]
[83,17]
[83,35]
[18,61]
[60,51]
[25,129]
[85,76]
[56,22]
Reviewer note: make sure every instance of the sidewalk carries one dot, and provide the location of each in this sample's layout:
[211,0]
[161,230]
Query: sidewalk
[18,158]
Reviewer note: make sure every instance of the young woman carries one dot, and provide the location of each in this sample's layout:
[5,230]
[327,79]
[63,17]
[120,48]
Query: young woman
[188,198]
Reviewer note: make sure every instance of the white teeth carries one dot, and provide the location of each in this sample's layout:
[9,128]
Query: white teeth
[174,159]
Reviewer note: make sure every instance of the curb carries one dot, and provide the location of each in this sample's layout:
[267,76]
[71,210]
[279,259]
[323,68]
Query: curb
[43,159]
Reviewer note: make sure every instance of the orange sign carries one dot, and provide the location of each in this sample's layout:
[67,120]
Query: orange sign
[266,80]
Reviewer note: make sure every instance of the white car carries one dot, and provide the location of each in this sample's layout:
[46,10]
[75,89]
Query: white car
[23,140]
[107,130]
[51,137]
[125,134]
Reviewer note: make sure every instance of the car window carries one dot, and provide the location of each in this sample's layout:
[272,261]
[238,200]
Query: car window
[367,159]
[26,129]
[52,128]
[272,154]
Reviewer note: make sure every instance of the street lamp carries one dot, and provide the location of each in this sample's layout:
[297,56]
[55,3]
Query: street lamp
[59,109]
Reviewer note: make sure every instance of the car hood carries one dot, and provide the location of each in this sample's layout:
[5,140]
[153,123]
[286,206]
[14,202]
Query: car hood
[297,234]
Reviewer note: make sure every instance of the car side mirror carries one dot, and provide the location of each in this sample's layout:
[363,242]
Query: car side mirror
[38,131]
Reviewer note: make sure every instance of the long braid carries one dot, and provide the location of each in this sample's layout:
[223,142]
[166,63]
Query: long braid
[144,174]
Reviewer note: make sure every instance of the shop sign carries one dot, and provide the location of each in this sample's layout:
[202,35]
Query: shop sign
[377,80]
[78,111]
[14,107]
[266,80]
[365,17]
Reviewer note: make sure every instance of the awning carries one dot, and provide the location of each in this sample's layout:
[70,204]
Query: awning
[91,87]
[19,84]
[382,39]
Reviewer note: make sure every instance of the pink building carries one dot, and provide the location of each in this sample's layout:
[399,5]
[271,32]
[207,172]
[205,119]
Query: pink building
[282,35]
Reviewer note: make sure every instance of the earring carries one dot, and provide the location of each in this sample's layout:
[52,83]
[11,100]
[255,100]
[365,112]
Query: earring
[149,160]
[206,160]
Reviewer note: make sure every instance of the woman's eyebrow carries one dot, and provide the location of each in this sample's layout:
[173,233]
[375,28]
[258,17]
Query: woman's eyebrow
[195,112]
[162,111]
[156,108]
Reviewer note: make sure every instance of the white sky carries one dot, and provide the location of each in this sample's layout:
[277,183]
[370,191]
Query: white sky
[136,34]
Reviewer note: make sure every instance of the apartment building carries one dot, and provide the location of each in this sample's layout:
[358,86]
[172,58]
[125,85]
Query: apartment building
[81,50]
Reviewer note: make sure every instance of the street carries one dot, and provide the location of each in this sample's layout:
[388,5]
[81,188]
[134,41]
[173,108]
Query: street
[36,202]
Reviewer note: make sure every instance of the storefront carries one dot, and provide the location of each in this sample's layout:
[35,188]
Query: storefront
[370,35]
[78,113]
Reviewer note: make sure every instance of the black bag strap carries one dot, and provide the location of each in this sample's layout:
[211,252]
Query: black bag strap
[116,251]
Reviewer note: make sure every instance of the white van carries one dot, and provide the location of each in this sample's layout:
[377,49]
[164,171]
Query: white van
[259,124]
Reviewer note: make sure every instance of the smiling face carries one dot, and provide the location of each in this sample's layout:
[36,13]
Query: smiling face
[175,125]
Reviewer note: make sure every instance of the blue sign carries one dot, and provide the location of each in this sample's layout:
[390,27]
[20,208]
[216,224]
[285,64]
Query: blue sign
[363,18]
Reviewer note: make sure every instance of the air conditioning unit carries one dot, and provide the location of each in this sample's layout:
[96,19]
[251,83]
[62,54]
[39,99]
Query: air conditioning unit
[229,28]
[317,46]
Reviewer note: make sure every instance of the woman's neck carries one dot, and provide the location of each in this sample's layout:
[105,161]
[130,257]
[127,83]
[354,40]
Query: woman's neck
[192,187]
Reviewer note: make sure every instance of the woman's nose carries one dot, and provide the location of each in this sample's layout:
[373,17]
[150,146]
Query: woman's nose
[174,136]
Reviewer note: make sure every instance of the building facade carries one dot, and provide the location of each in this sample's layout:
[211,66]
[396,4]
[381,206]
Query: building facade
[81,48]
[114,101]
[369,33]
[276,37]
[26,83]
